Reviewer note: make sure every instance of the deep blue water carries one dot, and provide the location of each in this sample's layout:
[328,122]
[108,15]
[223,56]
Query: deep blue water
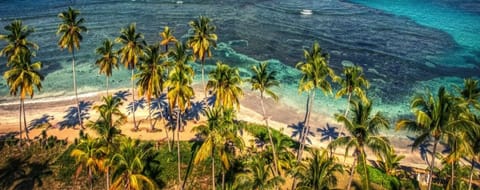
[403,45]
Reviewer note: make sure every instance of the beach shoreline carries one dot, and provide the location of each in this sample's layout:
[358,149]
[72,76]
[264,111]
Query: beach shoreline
[282,118]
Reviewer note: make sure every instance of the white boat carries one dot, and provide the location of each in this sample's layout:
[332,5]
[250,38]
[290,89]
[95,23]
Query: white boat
[306,12]
[179,2]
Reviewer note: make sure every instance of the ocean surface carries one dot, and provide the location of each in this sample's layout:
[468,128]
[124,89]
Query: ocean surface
[404,46]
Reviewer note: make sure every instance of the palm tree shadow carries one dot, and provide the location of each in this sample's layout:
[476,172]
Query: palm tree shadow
[297,131]
[137,104]
[211,100]
[328,132]
[20,173]
[71,119]
[42,122]
[422,148]
[194,112]
[122,94]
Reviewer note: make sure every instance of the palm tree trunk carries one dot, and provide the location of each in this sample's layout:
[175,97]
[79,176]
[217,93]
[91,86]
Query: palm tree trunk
[432,165]
[203,78]
[365,170]
[346,111]
[135,127]
[178,150]
[152,127]
[352,171]
[275,162]
[223,179]
[108,178]
[471,175]
[90,178]
[166,132]
[25,120]
[107,85]
[213,168]
[20,118]
[79,113]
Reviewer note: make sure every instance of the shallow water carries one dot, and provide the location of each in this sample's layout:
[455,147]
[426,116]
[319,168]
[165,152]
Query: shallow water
[404,46]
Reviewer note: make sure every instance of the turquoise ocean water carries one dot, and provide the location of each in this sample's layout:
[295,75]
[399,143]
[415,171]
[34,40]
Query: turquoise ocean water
[403,45]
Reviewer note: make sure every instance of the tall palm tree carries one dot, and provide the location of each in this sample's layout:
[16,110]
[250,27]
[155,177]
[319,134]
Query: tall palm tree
[389,162]
[151,77]
[364,133]
[106,126]
[108,61]
[22,78]
[317,172]
[315,73]
[257,176]
[180,91]
[130,53]
[225,83]
[262,80]
[70,30]
[16,39]
[202,39]
[433,117]
[167,37]
[89,154]
[353,83]
[470,93]
[473,138]
[128,164]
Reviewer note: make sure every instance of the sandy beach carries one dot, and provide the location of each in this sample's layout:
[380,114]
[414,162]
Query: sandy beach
[282,117]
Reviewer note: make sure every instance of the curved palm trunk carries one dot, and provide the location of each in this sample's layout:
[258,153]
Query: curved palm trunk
[432,165]
[178,150]
[79,113]
[25,120]
[213,168]
[275,161]
[20,119]
[352,171]
[135,127]
[471,175]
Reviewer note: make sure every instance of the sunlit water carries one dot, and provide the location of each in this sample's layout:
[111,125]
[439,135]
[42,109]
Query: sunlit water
[403,46]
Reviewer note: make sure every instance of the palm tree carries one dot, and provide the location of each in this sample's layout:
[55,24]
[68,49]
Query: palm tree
[433,117]
[257,176]
[315,72]
[262,80]
[70,29]
[108,61]
[364,133]
[167,37]
[22,78]
[179,94]
[17,42]
[317,172]
[107,124]
[389,162]
[203,38]
[128,164]
[470,93]
[151,77]
[473,139]
[225,83]
[353,83]
[130,53]
[89,154]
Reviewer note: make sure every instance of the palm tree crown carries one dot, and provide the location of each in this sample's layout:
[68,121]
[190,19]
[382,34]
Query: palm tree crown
[70,29]
[24,76]
[167,37]
[203,37]
[262,80]
[132,48]
[225,83]
[317,172]
[17,42]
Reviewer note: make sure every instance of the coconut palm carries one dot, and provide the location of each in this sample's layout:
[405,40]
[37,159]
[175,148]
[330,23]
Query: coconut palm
[16,39]
[257,176]
[353,83]
[167,37]
[89,154]
[225,85]
[130,54]
[70,30]
[22,78]
[202,39]
[470,93]
[433,117]
[389,162]
[317,172]
[106,126]
[473,139]
[128,164]
[262,80]
[315,72]
[180,91]
[108,59]
[151,77]
[364,133]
